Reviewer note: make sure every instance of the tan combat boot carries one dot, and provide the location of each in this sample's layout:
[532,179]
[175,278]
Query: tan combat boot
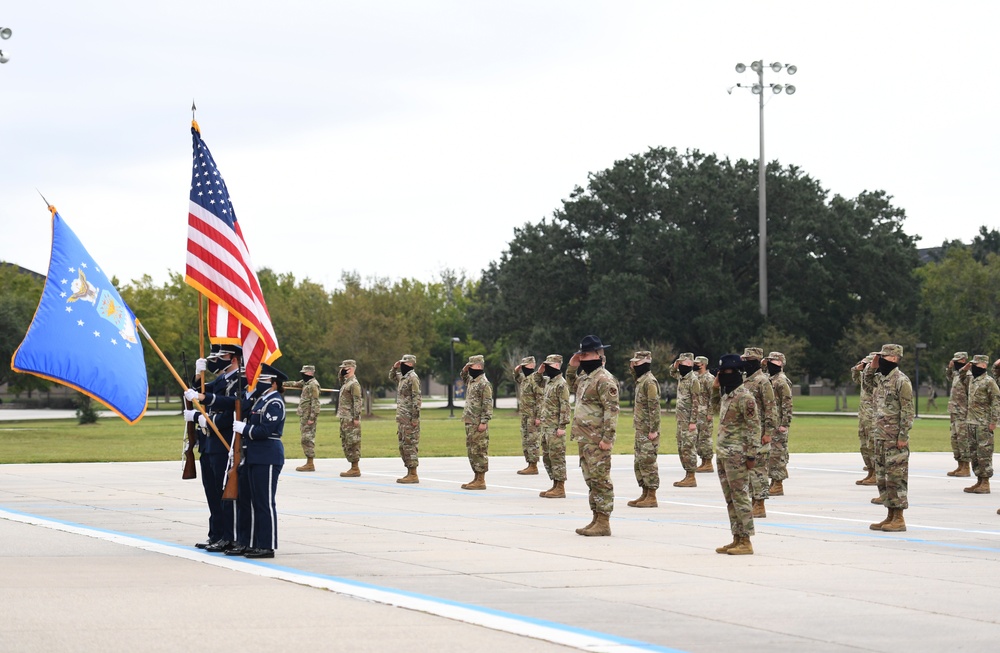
[725,547]
[352,472]
[879,525]
[974,488]
[777,489]
[984,486]
[741,548]
[634,502]
[478,483]
[530,470]
[868,480]
[411,476]
[705,466]
[600,528]
[308,467]
[558,491]
[649,501]
[687,481]
[580,531]
[964,469]
[878,500]
[758,509]
[896,524]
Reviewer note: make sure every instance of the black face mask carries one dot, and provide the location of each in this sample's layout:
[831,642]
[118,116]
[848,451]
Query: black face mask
[306,378]
[527,370]
[959,365]
[729,380]
[684,369]
[641,369]
[885,367]
[697,367]
[404,369]
[216,365]
[343,372]
[591,365]
[551,372]
[773,369]
[977,371]
[474,373]
[751,366]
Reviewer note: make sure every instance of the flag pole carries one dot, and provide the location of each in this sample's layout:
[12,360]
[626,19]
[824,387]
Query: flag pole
[180,381]
[201,333]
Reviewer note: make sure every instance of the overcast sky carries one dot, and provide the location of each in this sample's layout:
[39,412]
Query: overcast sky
[395,139]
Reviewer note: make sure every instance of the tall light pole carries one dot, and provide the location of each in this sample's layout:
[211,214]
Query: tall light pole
[451,381]
[758,90]
[5,34]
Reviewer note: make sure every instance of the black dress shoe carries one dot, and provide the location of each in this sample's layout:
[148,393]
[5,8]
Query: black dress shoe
[203,545]
[259,553]
[218,545]
[235,550]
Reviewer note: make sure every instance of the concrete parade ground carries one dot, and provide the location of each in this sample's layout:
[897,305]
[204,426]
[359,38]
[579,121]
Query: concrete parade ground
[98,557]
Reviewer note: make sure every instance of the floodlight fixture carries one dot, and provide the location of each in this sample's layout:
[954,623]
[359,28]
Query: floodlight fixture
[789,89]
[739,67]
[756,89]
[776,88]
[3,57]
[791,69]
[756,66]
[5,33]
[776,66]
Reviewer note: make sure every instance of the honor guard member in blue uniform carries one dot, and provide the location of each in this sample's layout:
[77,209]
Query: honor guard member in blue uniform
[264,456]
[219,401]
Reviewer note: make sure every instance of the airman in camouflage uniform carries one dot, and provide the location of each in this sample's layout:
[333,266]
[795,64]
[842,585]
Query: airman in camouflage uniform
[595,424]
[646,420]
[553,420]
[778,462]
[738,442]
[349,406]
[308,412]
[982,417]
[530,388]
[407,414]
[704,445]
[759,385]
[893,419]
[476,417]
[689,410]
[866,417]
[958,409]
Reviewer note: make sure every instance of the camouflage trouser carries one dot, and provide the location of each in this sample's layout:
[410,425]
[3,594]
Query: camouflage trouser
[687,446]
[409,441]
[647,473]
[308,432]
[350,440]
[778,462]
[531,439]
[704,445]
[477,444]
[734,477]
[892,471]
[867,442]
[596,466]
[981,440]
[961,442]
[554,454]
[759,478]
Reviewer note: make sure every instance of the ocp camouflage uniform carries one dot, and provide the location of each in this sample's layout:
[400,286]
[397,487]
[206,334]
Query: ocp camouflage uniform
[983,410]
[407,415]
[308,411]
[646,420]
[349,407]
[704,446]
[958,410]
[778,462]
[530,389]
[737,440]
[759,385]
[595,419]
[478,410]
[893,419]
[866,416]
[554,414]
[689,410]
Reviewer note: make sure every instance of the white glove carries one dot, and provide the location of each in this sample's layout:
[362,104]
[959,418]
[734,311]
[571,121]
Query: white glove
[239,426]
[189,415]
[200,365]
[191,394]
[202,422]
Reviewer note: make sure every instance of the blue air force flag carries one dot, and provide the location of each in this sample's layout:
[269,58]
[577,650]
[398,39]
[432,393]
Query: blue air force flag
[83,335]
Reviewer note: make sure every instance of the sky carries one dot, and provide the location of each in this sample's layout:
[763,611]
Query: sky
[396,139]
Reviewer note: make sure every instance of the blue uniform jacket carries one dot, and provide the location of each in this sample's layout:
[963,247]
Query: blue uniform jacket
[220,403]
[262,436]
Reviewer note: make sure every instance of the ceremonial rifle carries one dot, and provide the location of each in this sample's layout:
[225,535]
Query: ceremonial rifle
[190,436]
[231,488]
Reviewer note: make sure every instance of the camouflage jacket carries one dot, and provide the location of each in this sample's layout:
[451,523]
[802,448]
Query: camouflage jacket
[759,385]
[689,405]
[530,389]
[309,400]
[478,399]
[866,401]
[984,401]
[407,395]
[958,400]
[596,414]
[646,412]
[893,407]
[349,403]
[783,398]
[739,423]
[707,379]
[554,406]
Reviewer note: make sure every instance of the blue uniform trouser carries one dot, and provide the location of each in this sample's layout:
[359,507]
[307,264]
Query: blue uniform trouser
[221,514]
[243,512]
[263,483]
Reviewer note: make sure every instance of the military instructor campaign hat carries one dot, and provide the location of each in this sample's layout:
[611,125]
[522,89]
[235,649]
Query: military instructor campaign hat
[753,353]
[477,360]
[980,359]
[591,343]
[308,369]
[555,360]
[960,356]
[891,350]
[348,363]
[641,357]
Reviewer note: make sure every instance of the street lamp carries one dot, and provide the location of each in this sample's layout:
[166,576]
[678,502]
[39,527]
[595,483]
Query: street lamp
[5,33]
[758,90]
[451,380]
[916,396]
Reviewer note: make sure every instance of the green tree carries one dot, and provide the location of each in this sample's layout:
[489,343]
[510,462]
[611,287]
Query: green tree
[22,289]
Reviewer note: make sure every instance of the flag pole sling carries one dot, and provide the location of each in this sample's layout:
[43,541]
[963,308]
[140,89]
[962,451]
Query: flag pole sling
[180,381]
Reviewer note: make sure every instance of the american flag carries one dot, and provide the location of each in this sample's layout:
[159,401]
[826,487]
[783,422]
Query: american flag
[218,265]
